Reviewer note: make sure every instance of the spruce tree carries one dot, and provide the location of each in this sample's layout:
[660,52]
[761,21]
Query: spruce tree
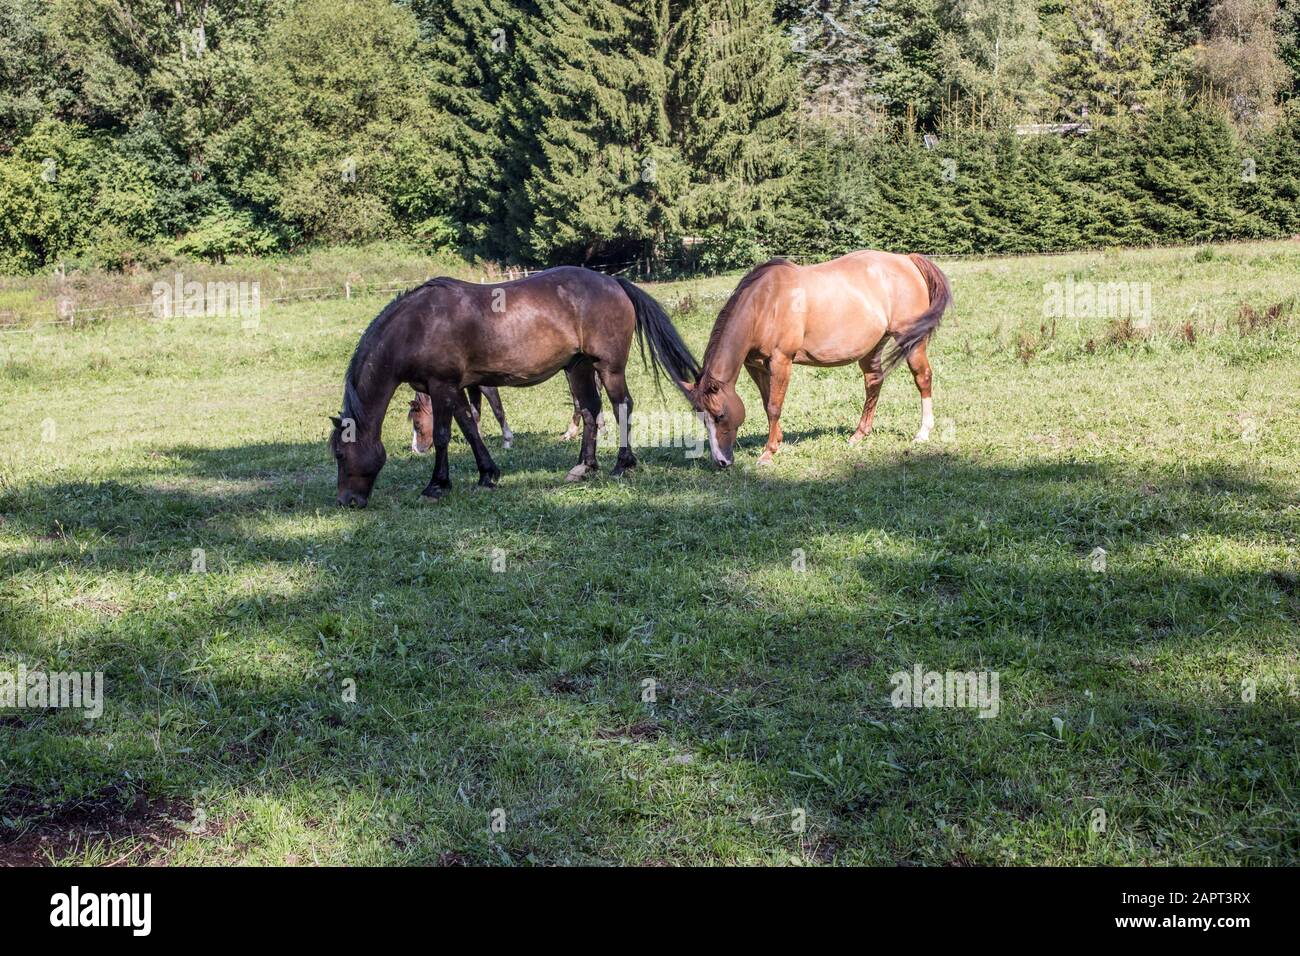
[588,119]
[474,65]
[1105,64]
[1190,169]
[731,94]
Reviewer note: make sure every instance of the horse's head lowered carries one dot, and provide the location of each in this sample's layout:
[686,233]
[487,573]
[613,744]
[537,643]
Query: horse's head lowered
[359,462]
[421,418]
[723,414]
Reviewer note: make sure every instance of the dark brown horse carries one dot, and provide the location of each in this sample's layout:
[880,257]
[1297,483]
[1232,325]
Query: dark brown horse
[832,313]
[448,335]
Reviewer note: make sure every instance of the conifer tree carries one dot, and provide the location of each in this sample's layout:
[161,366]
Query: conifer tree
[1189,169]
[589,122]
[474,65]
[1105,66]
[732,91]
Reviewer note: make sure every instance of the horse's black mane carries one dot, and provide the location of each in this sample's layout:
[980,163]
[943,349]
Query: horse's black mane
[352,407]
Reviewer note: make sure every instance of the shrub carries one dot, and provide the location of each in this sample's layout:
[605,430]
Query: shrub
[225,232]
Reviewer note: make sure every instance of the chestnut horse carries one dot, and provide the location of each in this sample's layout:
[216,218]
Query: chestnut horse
[420,416]
[447,335]
[832,313]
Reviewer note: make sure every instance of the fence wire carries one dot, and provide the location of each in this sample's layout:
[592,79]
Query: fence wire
[68,315]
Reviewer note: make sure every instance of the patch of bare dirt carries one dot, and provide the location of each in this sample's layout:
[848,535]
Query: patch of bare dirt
[569,685]
[103,606]
[118,817]
[820,851]
[643,730]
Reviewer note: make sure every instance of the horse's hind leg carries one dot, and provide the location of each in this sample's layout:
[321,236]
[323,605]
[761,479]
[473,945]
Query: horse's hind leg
[488,472]
[586,398]
[494,402]
[616,388]
[874,376]
[575,426]
[442,399]
[920,366]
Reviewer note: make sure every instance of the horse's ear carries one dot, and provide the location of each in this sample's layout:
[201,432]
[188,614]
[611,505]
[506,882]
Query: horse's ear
[338,422]
[688,387]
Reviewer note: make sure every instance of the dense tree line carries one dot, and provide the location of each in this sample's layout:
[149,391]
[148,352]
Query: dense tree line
[549,131]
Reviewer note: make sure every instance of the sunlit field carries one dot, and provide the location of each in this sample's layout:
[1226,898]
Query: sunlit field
[681,666]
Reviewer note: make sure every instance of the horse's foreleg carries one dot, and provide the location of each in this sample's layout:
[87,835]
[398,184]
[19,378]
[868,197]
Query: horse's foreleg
[494,402]
[474,394]
[874,376]
[586,398]
[575,426]
[442,400]
[616,388]
[920,366]
[778,379]
[488,473]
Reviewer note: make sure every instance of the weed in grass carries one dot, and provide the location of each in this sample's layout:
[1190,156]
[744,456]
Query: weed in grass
[1250,320]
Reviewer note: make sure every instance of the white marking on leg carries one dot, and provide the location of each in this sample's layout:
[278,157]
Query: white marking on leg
[927,420]
[415,440]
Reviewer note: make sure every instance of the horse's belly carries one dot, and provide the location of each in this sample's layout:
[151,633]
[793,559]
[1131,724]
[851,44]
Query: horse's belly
[529,357]
[512,379]
[845,345]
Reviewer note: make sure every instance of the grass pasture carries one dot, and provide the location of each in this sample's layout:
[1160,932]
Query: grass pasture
[1163,691]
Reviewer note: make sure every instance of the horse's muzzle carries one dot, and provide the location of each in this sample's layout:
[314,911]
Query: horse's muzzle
[350,499]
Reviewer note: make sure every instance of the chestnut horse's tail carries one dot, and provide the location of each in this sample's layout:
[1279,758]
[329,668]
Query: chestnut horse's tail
[925,324]
[667,350]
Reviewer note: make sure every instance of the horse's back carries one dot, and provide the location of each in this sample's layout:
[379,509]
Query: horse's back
[836,312]
[887,283]
[521,331]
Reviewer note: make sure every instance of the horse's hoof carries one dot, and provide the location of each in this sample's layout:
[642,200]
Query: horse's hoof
[765,458]
[489,479]
[857,437]
[922,436]
[579,472]
[507,442]
[434,492]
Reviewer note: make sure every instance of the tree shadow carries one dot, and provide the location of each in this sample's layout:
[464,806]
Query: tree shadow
[768,613]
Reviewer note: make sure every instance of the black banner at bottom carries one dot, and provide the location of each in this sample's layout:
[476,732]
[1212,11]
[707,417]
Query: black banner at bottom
[331,906]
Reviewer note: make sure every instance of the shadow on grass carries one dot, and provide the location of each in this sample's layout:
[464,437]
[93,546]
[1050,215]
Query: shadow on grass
[524,690]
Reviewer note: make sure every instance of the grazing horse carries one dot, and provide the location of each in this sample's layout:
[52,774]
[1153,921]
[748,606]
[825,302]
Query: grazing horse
[447,335]
[828,314]
[421,418]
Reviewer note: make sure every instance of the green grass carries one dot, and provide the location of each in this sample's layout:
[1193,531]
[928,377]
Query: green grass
[522,690]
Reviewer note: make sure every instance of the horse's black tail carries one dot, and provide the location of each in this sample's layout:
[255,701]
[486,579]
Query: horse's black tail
[940,298]
[667,350]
